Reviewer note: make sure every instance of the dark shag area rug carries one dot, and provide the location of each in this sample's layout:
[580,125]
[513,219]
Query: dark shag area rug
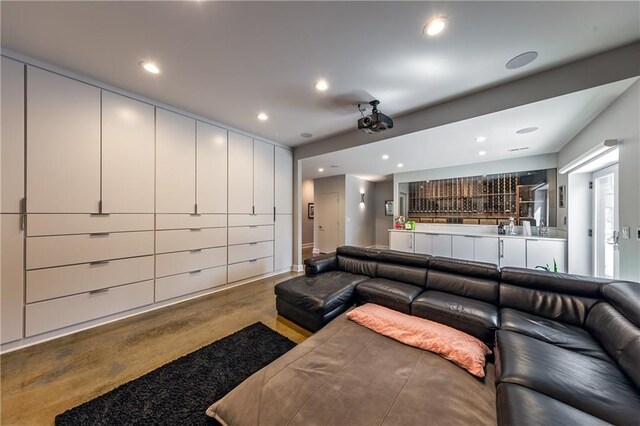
[178,393]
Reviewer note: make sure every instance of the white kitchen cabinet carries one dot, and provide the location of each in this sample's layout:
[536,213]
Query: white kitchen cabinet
[485,249]
[240,174]
[12,136]
[513,252]
[423,243]
[441,245]
[11,277]
[263,177]
[283,242]
[211,168]
[544,252]
[63,144]
[127,155]
[283,183]
[462,247]
[175,163]
[401,241]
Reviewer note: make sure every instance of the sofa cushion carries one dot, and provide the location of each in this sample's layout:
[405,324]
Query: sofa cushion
[318,264]
[589,384]
[486,271]
[625,296]
[403,258]
[474,317]
[469,279]
[320,294]
[589,287]
[402,273]
[557,333]
[619,336]
[520,406]
[388,293]
[357,260]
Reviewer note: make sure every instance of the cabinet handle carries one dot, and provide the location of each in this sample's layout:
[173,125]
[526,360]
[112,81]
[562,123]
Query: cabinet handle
[195,251]
[253,244]
[102,290]
[274,214]
[253,210]
[253,226]
[253,260]
[196,271]
[195,229]
[195,214]
[23,213]
[99,214]
[501,248]
[99,262]
[99,234]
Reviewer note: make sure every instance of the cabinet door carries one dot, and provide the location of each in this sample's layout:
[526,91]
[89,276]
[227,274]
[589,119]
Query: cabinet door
[240,174]
[11,278]
[175,163]
[485,249]
[12,136]
[544,252]
[127,155]
[63,144]
[401,241]
[283,186]
[283,242]
[423,243]
[211,182]
[442,245]
[462,247]
[263,177]
[513,252]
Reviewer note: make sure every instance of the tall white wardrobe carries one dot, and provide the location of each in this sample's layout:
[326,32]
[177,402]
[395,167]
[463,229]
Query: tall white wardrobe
[113,206]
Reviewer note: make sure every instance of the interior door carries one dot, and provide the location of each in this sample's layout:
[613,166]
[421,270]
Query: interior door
[605,222]
[327,221]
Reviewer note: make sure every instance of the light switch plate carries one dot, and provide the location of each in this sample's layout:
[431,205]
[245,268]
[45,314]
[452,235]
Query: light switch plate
[625,232]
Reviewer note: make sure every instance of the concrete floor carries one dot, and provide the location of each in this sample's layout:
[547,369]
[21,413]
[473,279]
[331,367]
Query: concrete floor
[41,381]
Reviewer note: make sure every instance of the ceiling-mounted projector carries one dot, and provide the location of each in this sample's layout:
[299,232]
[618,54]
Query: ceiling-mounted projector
[376,121]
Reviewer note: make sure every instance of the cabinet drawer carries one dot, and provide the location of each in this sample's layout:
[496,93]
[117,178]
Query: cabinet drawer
[58,313]
[182,221]
[185,261]
[190,239]
[250,234]
[252,268]
[44,252]
[61,224]
[50,283]
[244,252]
[250,219]
[178,285]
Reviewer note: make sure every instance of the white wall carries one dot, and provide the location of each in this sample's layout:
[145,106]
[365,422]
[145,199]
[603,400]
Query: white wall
[360,228]
[384,191]
[619,121]
[307,224]
[329,185]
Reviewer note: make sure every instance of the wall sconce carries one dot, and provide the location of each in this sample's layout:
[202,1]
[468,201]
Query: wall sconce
[362,198]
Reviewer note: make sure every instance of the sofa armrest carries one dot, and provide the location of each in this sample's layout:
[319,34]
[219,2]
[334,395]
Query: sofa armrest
[319,264]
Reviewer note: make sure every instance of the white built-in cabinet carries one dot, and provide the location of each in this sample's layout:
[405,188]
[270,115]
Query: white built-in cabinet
[544,252]
[433,244]
[401,241]
[12,194]
[126,205]
[513,252]
[479,249]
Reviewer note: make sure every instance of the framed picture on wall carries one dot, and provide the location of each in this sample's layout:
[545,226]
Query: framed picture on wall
[388,208]
[562,196]
[310,211]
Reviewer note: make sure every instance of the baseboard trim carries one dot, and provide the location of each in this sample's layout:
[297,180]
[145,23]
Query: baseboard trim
[308,245]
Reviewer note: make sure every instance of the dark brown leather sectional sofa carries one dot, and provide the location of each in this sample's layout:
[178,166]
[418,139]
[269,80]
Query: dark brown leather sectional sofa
[567,348]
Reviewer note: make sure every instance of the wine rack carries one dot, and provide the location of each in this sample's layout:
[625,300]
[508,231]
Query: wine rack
[489,199]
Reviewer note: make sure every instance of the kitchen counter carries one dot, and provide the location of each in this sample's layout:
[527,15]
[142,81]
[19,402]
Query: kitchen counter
[492,231]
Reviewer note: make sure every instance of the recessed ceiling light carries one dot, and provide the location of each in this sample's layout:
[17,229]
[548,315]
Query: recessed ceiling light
[435,26]
[306,135]
[385,156]
[521,60]
[262,116]
[482,153]
[321,170]
[522,148]
[481,138]
[400,165]
[526,130]
[150,67]
[321,85]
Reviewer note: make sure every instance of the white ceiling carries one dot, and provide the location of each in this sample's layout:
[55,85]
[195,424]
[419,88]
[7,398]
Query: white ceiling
[558,119]
[229,60]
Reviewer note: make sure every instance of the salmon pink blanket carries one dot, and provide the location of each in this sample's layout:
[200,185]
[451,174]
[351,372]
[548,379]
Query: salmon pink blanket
[454,345]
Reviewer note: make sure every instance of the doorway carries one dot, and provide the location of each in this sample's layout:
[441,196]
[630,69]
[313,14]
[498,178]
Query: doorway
[606,257]
[327,222]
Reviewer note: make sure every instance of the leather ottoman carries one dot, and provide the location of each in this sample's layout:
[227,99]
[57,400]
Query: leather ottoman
[314,301]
